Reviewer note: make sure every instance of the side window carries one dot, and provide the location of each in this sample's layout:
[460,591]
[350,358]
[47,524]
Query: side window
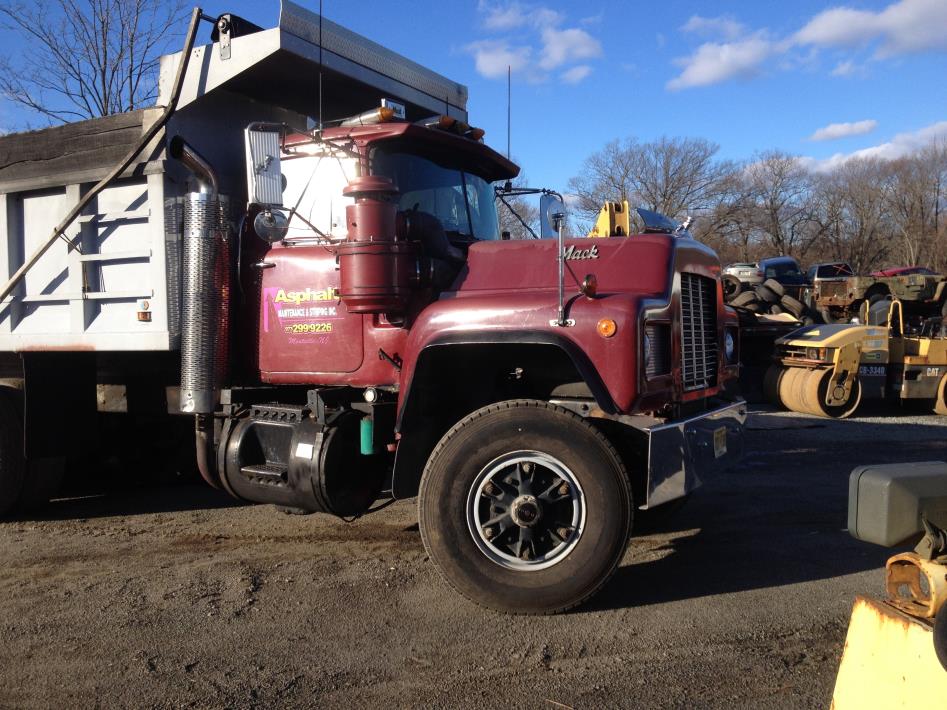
[314,186]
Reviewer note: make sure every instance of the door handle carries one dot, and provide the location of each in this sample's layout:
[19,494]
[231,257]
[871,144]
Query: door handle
[264,265]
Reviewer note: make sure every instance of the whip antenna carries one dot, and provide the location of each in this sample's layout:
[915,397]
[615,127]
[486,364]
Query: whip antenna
[509,103]
[320,66]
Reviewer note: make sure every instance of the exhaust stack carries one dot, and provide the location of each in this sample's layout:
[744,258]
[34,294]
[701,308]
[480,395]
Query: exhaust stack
[205,320]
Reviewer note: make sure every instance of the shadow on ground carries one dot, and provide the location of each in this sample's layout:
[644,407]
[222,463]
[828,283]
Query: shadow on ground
[779,518]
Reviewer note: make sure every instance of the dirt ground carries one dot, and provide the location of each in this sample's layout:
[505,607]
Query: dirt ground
[172,596]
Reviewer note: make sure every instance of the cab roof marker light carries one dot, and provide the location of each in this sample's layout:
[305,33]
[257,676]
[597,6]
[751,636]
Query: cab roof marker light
[382,114]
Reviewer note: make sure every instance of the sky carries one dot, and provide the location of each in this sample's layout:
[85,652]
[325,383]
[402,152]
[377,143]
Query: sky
[823,80]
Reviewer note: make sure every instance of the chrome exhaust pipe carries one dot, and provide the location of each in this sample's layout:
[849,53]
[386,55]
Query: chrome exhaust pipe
[192,160]
[205,303]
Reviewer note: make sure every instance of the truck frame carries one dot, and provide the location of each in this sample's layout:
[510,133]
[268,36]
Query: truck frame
[331,305]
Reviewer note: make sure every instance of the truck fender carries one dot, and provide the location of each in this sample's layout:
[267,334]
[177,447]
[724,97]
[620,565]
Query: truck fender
[444,387]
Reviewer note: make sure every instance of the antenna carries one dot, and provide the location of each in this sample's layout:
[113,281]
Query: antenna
[509,103]
[320,66]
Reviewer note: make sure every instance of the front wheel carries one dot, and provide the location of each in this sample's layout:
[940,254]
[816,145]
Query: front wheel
[525,508]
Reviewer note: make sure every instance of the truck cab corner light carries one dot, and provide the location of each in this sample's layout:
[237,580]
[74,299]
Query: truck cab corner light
[606,327]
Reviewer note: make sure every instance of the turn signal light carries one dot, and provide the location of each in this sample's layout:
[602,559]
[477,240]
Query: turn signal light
[476,134]
[606,327]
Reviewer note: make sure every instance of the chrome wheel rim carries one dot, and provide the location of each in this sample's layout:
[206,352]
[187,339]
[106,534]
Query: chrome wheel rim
[526,510]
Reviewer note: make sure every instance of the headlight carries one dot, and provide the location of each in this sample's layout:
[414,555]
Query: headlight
[729,345]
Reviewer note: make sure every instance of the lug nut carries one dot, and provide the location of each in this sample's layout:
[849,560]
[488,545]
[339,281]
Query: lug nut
[489,533]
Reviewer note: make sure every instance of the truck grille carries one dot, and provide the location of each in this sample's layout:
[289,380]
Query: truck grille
[698,331]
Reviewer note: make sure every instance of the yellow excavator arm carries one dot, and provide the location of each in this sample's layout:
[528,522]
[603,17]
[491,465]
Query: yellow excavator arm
[613,220]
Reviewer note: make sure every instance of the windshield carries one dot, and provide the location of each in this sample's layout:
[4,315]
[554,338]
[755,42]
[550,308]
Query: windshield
[461,201]
[782,268]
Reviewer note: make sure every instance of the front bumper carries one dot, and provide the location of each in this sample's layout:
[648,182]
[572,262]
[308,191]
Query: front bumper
[680,453]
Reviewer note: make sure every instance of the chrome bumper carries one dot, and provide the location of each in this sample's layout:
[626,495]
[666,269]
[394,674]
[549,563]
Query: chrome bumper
[680,453]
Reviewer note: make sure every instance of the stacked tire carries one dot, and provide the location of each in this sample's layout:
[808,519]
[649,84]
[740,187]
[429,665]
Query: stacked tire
[770,297]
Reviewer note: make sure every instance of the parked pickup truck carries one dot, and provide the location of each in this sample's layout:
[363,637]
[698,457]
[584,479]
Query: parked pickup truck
[839,299]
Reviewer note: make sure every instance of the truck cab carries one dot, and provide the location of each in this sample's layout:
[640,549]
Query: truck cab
[345,325]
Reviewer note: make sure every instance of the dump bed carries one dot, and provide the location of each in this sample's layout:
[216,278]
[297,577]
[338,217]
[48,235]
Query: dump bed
[112,283]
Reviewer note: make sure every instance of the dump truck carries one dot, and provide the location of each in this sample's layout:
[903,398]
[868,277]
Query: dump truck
[827,370]
[297,251]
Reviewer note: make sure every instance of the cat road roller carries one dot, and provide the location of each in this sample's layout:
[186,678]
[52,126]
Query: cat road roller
[827,370]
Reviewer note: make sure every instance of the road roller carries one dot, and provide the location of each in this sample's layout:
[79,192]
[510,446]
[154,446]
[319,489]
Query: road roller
[827,370]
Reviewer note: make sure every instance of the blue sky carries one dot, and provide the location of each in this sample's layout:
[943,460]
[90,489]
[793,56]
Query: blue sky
[819,79]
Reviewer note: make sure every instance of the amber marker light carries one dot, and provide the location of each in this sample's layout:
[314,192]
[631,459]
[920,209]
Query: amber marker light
[606,327]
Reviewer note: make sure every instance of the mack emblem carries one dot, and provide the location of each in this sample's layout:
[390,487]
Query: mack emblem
[573,254]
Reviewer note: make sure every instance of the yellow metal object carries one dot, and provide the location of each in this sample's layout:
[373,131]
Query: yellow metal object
[915,585]
[844,371]
[888,662]
[613,220]
[940,404]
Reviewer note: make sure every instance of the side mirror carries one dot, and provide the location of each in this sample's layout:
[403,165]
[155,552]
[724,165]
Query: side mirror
[552,212]
[264,179]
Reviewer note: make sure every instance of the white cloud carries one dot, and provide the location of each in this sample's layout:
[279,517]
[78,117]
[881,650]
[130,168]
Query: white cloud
[834,131]
[846,68]
[563,46]
[902,27]
[713,63]
[576,74]
[492,57]
[541,46]
[502,18]
[724,27]
[901,145]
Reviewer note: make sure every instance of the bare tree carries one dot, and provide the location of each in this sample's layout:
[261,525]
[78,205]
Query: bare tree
[674,176]
[781,204]
[87,58]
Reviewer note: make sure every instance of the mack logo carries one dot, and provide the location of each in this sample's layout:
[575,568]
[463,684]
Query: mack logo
[573,254]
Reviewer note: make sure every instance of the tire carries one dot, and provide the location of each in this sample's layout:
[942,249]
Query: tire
[765,293]
[792,306]
[940,404]
[470,475]
[731,286]
[745,299]
[776,287]
[12,465]
[940,639]
[776,309]
[827,316]
[771,385]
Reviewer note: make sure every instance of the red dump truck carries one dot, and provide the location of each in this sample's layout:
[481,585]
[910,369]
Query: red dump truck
[333,306]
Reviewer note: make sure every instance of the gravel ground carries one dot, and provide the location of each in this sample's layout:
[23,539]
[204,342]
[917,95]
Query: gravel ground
[172,596]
